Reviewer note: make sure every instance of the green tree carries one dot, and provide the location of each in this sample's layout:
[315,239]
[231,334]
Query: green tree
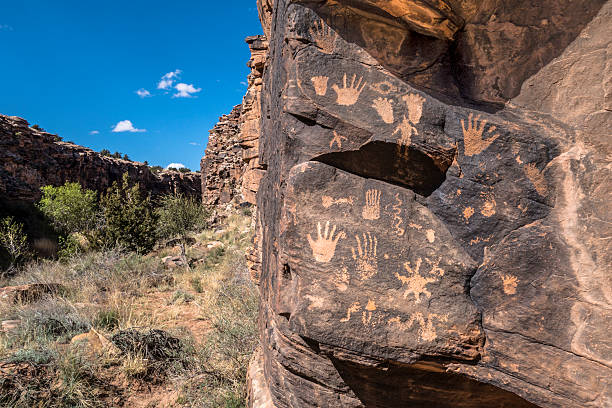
[126,157]
[156,169]
[184,170]
[105,152]
[178,216]
[129,220]
[70,207]
[116,155]
[13,240]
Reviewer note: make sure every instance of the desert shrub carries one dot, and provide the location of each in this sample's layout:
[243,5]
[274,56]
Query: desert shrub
[107,319]
[129,220]
[70,207]
[13,240]
[69,247]
[178,216]
[35,356]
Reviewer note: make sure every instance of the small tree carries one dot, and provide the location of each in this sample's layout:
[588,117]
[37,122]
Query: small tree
[184,170]
[178,216]
[13,240]
[105,152]
[126,157]
[70,207]
[129,220]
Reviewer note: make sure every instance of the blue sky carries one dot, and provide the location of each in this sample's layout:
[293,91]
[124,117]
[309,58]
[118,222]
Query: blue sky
[75,68]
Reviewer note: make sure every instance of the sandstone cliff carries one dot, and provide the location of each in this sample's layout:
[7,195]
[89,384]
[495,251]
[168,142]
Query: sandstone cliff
[433,214]
[30,159]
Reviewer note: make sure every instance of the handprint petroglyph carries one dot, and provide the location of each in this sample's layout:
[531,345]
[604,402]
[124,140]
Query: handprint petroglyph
[371,210]
[384,108]
[365,255]
[414,102]
[349,93]
[414,282]
[397,219]
[473,141]
[324,247]
[323,36]
[510,282]
[337,139]
[537,179]
[320,84]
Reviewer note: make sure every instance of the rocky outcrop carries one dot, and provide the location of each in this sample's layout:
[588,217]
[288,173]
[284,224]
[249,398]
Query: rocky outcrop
[433,213]
[222,166]
[30,159]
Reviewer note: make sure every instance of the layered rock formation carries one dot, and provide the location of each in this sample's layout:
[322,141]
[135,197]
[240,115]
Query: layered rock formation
[433,216]
[30,159]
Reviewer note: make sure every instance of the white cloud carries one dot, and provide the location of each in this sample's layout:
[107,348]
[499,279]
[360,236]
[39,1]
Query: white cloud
[94,132]
[168,79]
[185,90]
[143,93]
[126,126]
[175,166]
[243,83]
[194,144]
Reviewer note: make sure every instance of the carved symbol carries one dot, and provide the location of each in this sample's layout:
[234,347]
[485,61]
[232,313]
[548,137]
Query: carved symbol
[337,139]
[366,315]
[367,264]
[384,109]
[510,282]
[427,331]
[348,95]
[352,309]
[415,283]
[384,88]
[328,201]
[537,179]
[473,143]
[320,84]
[324,248]
[371,211]
[467,213]
[414,102]
[323,36]
[398,221]
[406,130]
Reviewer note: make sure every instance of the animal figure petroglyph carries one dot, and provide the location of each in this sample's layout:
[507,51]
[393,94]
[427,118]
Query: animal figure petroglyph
[384,108]
[367,313]
[337,139]
[320,84]
[323,36]
[324,247]
[328,201]
[397,219]
[427,331]
[371,210]
[414,282]
[473,143]
[355,307]
[365,256]
[348,94]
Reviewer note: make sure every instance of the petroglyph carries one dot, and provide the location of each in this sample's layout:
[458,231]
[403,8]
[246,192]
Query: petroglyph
[397,219]
[323,36]
[431,235]
[337,139]
[384,108]
[467,213]
[414,102]
[354,308]
[473,142]
[406,130]
[427,331]
[371,210]
[510,282]
[320,84]
[324,248]
[537,179]
[384,88]
[488,208]
[349,93]
[365,256]
[328,201]
[366,315]
[344,280]
[414,282]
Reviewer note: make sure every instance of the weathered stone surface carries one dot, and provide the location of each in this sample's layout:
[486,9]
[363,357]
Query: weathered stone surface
[30,159]
[433,221]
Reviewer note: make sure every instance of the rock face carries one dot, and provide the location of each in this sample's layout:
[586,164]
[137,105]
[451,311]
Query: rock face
[30,159]
[433,217]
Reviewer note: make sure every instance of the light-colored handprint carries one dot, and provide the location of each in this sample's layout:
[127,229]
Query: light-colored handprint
[323,36]
[414,102]
[349,93]
[537,179]
[371,210]
[320,84]
[365,256]
[324,247]
[384,108]
[473,142]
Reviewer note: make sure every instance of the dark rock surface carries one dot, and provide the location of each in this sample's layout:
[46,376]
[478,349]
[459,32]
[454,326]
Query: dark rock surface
[30,159]
[433,218]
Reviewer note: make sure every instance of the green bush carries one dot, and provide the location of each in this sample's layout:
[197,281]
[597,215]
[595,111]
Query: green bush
[178,216]
[129,220]
[70,207]
[13,240]
[68,248]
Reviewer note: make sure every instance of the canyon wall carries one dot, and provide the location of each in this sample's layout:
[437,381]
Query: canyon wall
[30,159]
[433,216]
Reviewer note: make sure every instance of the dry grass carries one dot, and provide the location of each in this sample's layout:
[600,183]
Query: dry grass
[211,307]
